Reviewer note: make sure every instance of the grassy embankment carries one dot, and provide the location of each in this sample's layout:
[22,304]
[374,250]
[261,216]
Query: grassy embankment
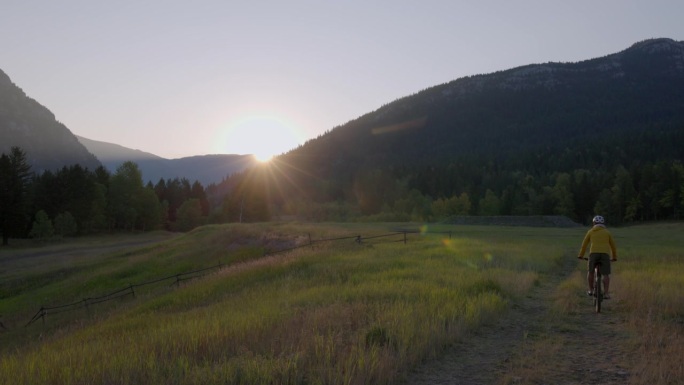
[341,313]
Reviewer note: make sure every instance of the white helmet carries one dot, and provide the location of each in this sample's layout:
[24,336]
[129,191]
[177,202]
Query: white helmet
[598,220]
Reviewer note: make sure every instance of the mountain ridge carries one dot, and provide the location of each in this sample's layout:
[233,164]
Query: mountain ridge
[500,86]
[206,169]
[25,123]
[50,145]
[511,132]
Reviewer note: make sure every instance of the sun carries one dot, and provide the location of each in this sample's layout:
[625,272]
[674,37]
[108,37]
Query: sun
[262,136]
[263,157]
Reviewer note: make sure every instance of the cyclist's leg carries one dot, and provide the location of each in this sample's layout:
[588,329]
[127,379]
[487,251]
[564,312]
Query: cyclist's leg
[590,271]
[605,271]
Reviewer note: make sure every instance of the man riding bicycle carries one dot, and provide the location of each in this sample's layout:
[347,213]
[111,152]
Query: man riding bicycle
[601,250]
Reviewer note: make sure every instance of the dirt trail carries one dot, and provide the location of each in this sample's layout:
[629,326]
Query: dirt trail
[535,344]
[80,248]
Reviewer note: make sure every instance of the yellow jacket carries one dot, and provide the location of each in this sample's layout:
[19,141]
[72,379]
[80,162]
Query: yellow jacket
[601,242]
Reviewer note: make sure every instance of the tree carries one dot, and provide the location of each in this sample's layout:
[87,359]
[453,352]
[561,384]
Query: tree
[439,209]
[65,224]
[562,196]
[584,195]
[623,193]
[197,192]
[174,192]
[42,226]
[72,189]
[489,205]
[150,213]
[98,211]
[372,189]
[14,178]
[125,195]
[456,205]
[459,205]
[605,206]
[189,215]
[247,200]
[413,204]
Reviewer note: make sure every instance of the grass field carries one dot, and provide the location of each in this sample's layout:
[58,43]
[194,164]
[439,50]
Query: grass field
[334,313]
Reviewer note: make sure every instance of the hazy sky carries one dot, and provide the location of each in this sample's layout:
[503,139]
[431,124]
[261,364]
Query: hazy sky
[181,78]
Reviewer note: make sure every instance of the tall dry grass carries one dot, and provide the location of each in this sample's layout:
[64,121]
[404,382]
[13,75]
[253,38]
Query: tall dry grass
[350,314]
[651,284]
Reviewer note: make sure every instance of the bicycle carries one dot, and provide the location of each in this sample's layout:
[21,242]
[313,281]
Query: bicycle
[598,286]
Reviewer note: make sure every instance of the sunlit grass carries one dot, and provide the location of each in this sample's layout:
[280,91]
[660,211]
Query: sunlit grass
[335,313]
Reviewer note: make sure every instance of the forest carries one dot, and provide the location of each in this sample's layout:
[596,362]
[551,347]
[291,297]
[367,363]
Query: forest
[77,201]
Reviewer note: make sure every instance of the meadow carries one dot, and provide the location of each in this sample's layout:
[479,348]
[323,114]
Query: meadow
[337,312]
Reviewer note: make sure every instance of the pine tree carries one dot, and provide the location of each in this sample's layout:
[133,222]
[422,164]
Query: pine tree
[14,178]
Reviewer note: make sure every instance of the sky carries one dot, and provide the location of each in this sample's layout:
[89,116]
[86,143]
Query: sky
[183,78]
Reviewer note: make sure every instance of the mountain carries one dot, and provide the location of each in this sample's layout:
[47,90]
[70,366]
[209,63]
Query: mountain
[206,169]
[503,113]
[49,145]
[537,139]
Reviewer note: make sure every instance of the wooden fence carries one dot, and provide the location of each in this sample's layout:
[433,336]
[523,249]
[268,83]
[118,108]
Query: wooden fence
[188,275]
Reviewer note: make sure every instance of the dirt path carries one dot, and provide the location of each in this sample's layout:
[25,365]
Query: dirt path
[83,247]
[534,343]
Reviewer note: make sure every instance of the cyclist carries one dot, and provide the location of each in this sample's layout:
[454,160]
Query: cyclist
[602,250]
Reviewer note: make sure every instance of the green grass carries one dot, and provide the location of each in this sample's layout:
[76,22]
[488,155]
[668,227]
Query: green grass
[340,313]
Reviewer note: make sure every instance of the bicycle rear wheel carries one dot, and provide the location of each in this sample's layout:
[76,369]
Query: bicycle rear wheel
[598,292]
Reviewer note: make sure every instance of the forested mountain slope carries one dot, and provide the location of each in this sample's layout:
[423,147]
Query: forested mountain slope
[512,132]
[508,113]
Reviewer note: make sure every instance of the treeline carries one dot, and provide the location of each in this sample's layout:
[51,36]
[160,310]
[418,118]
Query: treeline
[75,201]
[644,191]
[649,192]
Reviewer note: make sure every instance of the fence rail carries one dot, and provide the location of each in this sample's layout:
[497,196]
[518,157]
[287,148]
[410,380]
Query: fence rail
[188,275]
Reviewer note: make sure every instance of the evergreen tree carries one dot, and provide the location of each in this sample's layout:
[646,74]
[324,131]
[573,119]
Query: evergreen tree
[125,195]
[197,192]
[14,180]
[150,217]
[562,196]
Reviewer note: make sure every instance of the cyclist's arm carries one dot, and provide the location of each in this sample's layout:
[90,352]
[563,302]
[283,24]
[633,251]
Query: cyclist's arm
[613,249]
[585,243]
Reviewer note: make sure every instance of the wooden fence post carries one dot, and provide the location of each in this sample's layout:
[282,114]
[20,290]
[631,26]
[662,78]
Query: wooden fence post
[85,302]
